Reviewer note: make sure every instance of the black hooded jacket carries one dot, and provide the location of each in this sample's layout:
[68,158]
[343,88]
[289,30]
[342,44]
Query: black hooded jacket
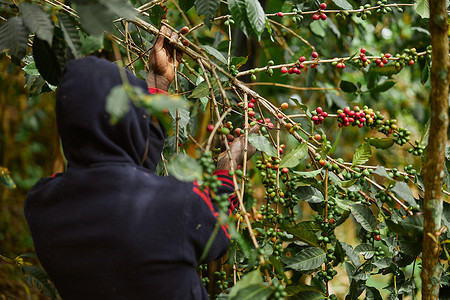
[108,227]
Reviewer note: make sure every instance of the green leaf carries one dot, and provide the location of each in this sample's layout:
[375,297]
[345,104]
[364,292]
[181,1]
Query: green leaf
[121,8]
[380,143]
[14,37]
[318,28]
[366,250]
[158,13]
[185,168]
[47,61]
[364,216]
[309,194]
[372,293]
[307,259]
[90,44]
[40,280]
[117,103]
[207,8]
[251,286]
[256,16]
[237,9]
[37,21]
[380,170]
[238,61]
[71,35]
[425,74]
[262,144]
[5,179]
[202,90]
[362,154]
[347,86]
[343,4]
[383,86]
[386,70]
[186,5]
[96,18]
[214,52]
[295,156]
[422,8]
[302,106]
[159,103]
[304,235]
[343,204]
[336,142]
[31,69]
[295,289]
[351,254]
[404,192]
[310,174]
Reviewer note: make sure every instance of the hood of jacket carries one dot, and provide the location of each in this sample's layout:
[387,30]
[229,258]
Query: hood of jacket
[87,135]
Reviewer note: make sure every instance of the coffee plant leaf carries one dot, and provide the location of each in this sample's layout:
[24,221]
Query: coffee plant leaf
[185,168]
[343,217]
[410,247]
[262,144]
[362,154]
[318,28]
[96,18]
[342,203]
[14,37]
[383,87]
[309,194]
[117,103]
[202,89]
[364,216]
[403,191]
[294,157]
[309,225]
[90,43]
[216,53]
[5,179]
[121,8]
[37,21]
[362,274]
[238,61]
[296,289]
[351,254]
[310,174]
[308,259]
[186,5]
[407,287]
[207,8]
[380,143]
[372,293]
[302,106]
[357,287]
[381,171]
[413,226]
[425,74]
[347,86]
[383,263]
[422,8]
[71,35]
[158,13]
[391,243]
[256,16]
[36,277]
[366,250]
[303,235]
[238,12]
[250,285]
[343,4]
[385,71]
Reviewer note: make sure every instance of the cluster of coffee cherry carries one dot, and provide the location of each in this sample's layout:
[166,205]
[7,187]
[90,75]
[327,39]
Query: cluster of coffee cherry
[356,117]
[320,15]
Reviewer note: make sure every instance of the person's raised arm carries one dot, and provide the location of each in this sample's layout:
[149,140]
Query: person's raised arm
[162,63]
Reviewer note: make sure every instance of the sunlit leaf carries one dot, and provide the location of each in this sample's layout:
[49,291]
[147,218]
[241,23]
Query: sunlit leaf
[309,194]
[251,286]
[310,174]
[343,4]
[5,179]
[362,154]
[207,8]
[422,7]
[117,103]
[256,16]
[214,52]
[404,192]
[295,156]
[262,144]
[380,143]
[237,9]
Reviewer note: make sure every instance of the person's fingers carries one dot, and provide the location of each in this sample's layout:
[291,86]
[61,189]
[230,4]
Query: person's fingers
[160,39]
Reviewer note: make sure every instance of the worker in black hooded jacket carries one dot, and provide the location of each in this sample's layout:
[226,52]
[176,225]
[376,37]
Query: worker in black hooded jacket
[108,227]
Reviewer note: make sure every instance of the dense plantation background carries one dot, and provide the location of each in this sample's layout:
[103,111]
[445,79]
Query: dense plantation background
[342,91]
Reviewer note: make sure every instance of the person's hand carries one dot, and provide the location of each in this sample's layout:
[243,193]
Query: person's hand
[162,63]
[237,152]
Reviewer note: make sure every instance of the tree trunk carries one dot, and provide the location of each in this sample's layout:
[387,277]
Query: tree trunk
[433,172]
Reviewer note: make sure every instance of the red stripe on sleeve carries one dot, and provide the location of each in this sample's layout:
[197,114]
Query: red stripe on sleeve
[156,91]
